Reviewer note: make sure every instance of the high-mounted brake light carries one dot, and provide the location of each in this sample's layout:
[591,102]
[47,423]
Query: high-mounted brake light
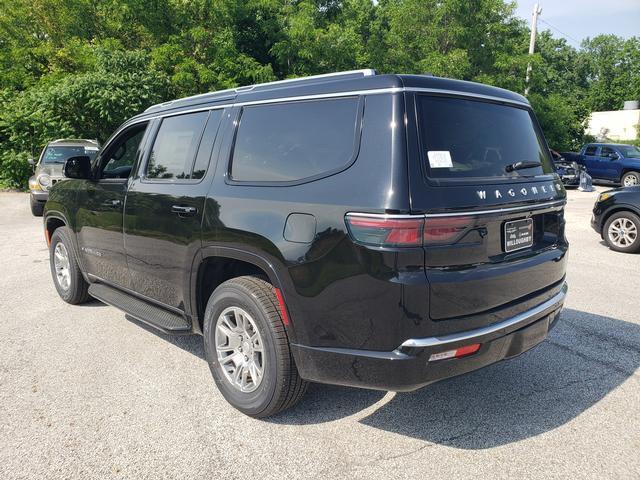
[386,231]
[456,353]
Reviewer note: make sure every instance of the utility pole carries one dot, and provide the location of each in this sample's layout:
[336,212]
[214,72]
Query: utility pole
[537,10]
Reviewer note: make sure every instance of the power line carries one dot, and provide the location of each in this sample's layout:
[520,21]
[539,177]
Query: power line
[560,31]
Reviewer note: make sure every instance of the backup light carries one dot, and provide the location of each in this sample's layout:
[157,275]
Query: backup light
[456,353]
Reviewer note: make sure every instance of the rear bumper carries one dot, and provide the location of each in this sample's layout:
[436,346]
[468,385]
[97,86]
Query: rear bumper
[408,367]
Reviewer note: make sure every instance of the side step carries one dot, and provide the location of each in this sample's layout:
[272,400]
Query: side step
[146,312]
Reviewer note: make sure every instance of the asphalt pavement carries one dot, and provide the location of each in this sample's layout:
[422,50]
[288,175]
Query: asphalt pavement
[86,393]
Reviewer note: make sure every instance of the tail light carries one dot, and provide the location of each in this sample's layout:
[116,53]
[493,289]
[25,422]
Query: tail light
[396,231]
[445,229]
[386,231]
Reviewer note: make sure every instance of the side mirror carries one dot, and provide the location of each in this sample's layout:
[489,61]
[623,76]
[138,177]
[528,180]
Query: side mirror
[78,167]
[31,161]
[614,156]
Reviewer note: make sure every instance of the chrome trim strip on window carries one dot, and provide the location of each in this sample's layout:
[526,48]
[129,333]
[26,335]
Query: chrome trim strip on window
[553,303]
[537,206]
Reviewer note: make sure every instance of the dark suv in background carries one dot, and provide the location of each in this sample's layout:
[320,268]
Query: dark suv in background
[48,168]
[378,231]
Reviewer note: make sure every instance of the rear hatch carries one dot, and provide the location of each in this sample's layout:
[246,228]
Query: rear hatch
[482,174]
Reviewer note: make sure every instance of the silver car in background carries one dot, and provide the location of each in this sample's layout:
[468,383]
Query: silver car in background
[48,169]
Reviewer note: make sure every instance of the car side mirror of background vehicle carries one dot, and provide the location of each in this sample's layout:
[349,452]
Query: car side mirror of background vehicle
[31,161]
[78,167]
[614,156]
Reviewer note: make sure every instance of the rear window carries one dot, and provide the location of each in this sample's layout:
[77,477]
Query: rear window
[474,139]
[294,141]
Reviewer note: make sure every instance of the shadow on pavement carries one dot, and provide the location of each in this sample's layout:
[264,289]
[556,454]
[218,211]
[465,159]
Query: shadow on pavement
[585,357]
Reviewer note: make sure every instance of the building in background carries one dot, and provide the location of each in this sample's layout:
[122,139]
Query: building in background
[617,125]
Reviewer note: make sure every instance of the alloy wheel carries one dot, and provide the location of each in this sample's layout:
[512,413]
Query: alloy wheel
[239,349]
[61,264]
[622,232]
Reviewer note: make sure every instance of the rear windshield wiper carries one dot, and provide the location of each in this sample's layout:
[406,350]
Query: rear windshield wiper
[521,165]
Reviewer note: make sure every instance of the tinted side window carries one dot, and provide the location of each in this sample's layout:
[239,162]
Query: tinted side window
[208,138]
[606,151]
[117,161]
[293,141]
[591,150]
[175,145]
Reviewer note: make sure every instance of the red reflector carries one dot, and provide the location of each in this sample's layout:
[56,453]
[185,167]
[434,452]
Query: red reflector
[457,353]
[283,307]
[439,230]
[386,232]
[47,236]
[467,350]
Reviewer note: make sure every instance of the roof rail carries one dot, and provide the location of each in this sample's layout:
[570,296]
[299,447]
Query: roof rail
[365,72]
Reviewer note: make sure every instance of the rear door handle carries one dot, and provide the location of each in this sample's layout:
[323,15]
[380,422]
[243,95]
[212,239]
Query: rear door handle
[184,211]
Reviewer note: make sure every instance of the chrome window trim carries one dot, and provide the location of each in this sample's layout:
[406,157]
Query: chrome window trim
[524,208]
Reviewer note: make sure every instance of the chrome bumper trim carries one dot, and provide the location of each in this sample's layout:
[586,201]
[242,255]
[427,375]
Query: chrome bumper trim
[553,303]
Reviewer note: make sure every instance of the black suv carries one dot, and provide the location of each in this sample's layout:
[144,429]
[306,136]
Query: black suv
[379,231]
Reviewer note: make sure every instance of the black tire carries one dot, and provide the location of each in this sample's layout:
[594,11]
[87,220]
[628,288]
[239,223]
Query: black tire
[36,207]
[631,176]
[77,290]
[281,386]
[626,215]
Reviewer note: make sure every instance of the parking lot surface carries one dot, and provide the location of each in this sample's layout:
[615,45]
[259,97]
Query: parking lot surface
[87,393]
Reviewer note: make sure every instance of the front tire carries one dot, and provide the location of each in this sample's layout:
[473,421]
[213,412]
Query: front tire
[630,179]
[247,348]
[67,277]
[36,207]
[622,232]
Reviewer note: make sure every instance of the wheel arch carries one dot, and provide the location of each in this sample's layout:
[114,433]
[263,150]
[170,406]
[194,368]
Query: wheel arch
[616,209]
[215,265]
[626,170]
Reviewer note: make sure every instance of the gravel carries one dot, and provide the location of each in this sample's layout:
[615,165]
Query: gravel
[86,393]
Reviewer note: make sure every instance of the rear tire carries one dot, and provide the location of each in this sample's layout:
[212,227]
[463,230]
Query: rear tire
[244,332]
[67,277]
[630,179]
[36,207]
[622,232]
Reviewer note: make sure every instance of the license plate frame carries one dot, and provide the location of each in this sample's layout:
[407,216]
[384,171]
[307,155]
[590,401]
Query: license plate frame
[518,234]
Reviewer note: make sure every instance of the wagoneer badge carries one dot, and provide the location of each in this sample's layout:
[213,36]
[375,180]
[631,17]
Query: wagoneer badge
[522,192]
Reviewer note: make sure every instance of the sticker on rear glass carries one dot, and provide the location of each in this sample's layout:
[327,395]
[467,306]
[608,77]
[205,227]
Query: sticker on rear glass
[439,159]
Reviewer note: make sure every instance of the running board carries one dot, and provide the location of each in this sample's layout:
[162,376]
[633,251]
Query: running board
[141,310]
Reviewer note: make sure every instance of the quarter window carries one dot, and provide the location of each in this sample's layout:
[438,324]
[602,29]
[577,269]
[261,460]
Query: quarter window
[174,148]
[294,141]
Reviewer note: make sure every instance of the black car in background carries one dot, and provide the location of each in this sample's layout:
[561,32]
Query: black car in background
[567,170]
[616,217]
[378,231]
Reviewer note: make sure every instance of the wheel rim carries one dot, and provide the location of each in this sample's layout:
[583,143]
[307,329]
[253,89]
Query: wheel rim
[239,349]
[623,232]
[630,181]
[61,265]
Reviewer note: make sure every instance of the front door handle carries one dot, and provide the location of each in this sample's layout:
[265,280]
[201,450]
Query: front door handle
[112,203]
[184,211]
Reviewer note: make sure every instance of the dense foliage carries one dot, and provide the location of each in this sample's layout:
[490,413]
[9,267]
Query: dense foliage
[78,68]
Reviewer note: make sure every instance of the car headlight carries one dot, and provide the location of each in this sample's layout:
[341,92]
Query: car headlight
[33,184]
[603,196]
[44,180]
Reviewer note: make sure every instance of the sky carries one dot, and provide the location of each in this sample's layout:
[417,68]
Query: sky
[577,19]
